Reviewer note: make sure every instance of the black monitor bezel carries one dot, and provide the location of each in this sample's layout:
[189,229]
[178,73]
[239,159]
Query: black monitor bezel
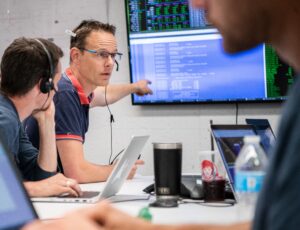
[195,102]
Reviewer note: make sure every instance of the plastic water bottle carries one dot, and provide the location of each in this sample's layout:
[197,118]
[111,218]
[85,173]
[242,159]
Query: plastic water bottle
[250,170]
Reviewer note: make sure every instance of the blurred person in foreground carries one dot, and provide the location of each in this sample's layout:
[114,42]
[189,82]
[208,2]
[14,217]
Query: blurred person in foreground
[243,25]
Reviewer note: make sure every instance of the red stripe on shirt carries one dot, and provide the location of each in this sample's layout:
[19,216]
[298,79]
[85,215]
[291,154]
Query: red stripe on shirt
[84,100]
[68,136]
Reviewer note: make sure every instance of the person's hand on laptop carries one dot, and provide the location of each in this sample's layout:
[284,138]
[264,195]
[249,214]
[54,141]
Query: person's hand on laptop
[53,186]
[134,168]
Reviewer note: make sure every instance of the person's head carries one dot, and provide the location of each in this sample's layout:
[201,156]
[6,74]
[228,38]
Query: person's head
[247,23]
[93,52]
[84,29]
[25,64]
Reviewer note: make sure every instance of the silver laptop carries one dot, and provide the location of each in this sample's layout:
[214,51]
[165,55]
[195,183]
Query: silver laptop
[115,180]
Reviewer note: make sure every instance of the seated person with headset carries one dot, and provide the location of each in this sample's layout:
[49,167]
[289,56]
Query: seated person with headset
[84,85]
[29,70]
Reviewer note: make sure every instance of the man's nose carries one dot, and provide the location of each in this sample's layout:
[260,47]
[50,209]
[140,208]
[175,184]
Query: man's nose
[110,60]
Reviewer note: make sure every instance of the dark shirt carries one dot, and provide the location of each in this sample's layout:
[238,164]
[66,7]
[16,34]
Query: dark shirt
[15,139]
[71,109]
[278,205]
[71,113]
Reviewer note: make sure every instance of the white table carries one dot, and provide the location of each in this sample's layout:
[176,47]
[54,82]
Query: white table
[185,213]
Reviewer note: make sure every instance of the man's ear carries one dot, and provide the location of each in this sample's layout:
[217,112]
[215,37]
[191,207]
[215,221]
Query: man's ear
[37,87]
[75,54]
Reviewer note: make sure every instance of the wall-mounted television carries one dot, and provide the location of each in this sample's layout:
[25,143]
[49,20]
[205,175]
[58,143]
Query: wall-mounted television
[175,47]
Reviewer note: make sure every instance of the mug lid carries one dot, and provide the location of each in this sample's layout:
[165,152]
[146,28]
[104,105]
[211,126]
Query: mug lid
[167,145]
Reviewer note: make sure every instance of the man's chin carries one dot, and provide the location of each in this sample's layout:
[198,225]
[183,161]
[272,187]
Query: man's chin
[232,47]
[103,83]
[42,109]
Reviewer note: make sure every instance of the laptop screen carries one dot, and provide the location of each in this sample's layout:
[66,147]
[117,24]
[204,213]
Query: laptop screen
[229,139]
[263,129]
[15,207]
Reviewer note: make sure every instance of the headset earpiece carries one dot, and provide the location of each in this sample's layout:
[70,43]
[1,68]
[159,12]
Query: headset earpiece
[47,84]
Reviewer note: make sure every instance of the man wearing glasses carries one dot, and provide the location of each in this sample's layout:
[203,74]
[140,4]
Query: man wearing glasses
[93,53]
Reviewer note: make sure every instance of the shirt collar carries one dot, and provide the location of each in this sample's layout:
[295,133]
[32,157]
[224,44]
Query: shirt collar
[84,100]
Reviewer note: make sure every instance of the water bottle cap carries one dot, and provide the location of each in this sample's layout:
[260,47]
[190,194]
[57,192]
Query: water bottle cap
[253,138]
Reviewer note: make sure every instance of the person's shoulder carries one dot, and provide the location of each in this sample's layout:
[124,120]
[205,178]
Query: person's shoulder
[66,97]
[8,113]
[9,123]
[7,116]
[65,88]
[65,84]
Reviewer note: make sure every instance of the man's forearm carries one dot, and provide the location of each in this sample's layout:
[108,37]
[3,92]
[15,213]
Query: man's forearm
[47,158]
[113,94]
[88,172]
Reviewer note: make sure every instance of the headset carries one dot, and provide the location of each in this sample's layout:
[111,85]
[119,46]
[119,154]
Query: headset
[47,82]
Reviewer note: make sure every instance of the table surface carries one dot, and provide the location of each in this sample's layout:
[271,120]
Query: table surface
[184,213]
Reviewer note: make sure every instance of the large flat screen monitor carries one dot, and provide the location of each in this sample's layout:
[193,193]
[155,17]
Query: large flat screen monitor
[174,46]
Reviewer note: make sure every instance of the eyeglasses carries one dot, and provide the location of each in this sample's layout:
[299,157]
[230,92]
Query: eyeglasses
[104,54]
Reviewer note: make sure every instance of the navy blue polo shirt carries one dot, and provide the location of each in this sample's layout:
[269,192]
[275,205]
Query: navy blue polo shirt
[71,109]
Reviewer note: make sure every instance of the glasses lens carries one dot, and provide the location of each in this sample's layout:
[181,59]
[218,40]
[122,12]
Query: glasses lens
[103,54]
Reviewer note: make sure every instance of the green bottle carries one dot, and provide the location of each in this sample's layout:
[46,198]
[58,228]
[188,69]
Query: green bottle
[145,214]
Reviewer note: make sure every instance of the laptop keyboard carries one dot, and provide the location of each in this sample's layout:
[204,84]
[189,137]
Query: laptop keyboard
[85,194]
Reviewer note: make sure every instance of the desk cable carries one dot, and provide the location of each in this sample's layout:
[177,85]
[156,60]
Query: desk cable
[114,159]
[236,113]
[111,120]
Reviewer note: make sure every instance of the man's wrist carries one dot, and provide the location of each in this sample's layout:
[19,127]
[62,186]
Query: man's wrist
[46,123]
[31,188]
[135,87]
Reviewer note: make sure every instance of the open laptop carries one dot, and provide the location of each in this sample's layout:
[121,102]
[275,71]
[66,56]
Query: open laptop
[15,206]
[114,181]
[263,129]
[229,139]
